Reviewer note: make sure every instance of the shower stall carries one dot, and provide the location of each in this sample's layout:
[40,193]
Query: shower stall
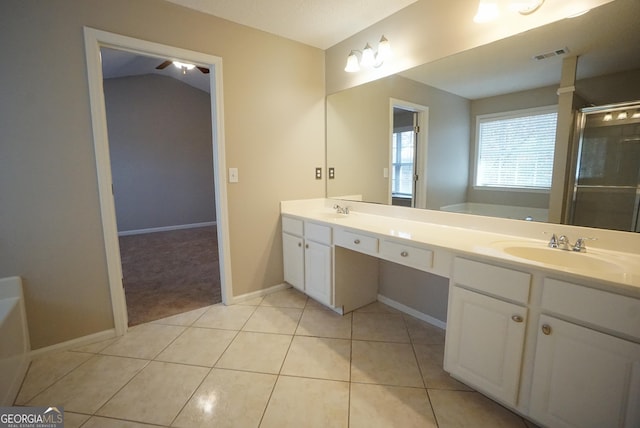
[606,190]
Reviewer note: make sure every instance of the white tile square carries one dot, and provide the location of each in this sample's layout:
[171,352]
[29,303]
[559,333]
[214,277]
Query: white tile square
[309,403]
[156,395]
[89,386]
[273,320]
[257,352]
[144,341]
[231,317]
[318,357]
[198,346]
[385,364]
[228,398]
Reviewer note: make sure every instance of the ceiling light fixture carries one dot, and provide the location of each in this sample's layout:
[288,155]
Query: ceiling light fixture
[184,66]
[488,10]
[368,58]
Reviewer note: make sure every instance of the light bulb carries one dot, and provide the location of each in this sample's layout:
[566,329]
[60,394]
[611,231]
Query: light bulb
[607,117]
[636,115]
[352,63]
[368,58]
[622,115]
[384,50]
[487,11]
[183,65]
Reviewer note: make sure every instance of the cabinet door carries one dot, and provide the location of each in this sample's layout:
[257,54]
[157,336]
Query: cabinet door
[293,254]
[485,342]
[583,378]
[317,274]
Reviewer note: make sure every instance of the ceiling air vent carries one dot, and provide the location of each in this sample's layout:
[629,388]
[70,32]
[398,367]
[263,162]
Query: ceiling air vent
[551,54]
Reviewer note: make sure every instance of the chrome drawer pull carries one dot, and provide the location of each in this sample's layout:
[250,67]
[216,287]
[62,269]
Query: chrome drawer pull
[356,241]
[404,254]
[517,318]
[546,329]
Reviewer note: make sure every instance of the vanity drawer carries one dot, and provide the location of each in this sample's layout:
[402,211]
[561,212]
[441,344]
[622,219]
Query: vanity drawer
[496,280]
[292,225]
[599,308]
[356,241]
[408,255]
[317,232]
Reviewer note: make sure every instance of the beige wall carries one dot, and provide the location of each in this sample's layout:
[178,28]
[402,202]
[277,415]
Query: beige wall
[503,103]
[50,227]
[161,152]
[358,140]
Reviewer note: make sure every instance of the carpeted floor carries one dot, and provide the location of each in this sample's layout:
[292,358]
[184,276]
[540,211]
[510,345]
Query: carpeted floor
[167,273]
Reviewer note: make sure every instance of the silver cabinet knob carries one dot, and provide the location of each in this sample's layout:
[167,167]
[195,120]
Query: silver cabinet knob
[546,329]
[306,246]
[356,241]
[404,254]
[299,244]
[517,318]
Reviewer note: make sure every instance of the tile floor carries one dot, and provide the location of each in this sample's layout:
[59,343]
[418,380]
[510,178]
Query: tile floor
[278,361]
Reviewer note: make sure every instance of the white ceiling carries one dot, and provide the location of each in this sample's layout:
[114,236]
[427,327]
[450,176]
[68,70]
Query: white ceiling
[319,23]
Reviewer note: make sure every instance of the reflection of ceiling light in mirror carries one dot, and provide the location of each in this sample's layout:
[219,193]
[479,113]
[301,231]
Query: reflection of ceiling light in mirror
[622,115]
[607,117]
[368,57]
[525,7]
[487,11]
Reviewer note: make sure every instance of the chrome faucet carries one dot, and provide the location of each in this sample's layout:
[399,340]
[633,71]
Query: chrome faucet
[341,210]
[563,243]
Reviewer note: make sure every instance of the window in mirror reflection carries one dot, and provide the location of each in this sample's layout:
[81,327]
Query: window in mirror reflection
[402,164]
[515,149]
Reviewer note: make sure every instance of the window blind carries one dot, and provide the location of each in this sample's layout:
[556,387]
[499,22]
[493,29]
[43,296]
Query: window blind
[516,150]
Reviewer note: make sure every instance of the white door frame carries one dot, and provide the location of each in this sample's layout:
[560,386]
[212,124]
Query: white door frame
[94,40]
[420,195]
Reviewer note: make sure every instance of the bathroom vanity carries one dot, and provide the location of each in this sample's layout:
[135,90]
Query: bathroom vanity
[552,334]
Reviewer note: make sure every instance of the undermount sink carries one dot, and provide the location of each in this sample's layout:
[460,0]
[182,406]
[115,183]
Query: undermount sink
[584,262]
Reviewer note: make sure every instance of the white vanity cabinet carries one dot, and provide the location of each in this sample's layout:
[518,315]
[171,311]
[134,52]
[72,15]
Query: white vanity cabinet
[486,326]
[307,254]
[583,377]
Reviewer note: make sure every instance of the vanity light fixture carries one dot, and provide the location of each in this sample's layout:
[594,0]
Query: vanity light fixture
[488,10]
[368,58]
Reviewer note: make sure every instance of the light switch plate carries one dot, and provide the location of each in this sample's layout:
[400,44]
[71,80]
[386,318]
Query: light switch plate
[233,175]
[385,172]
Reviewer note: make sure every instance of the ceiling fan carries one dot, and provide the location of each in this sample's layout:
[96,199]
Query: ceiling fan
[183,66]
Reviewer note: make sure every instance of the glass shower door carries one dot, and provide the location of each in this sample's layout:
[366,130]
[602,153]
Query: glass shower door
[607,187]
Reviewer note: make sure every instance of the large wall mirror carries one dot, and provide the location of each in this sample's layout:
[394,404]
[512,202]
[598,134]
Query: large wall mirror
[376,156]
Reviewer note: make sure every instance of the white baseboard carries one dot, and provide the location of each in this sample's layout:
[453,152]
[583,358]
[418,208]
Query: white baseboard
[74,343]
[166,228]
[414,313]
[260,293]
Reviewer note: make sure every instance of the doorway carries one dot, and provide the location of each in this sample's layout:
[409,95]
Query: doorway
[159,125]
[408,150]
[94,40]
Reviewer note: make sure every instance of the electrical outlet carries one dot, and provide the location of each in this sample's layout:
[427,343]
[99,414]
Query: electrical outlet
[332,173]
[318,173]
